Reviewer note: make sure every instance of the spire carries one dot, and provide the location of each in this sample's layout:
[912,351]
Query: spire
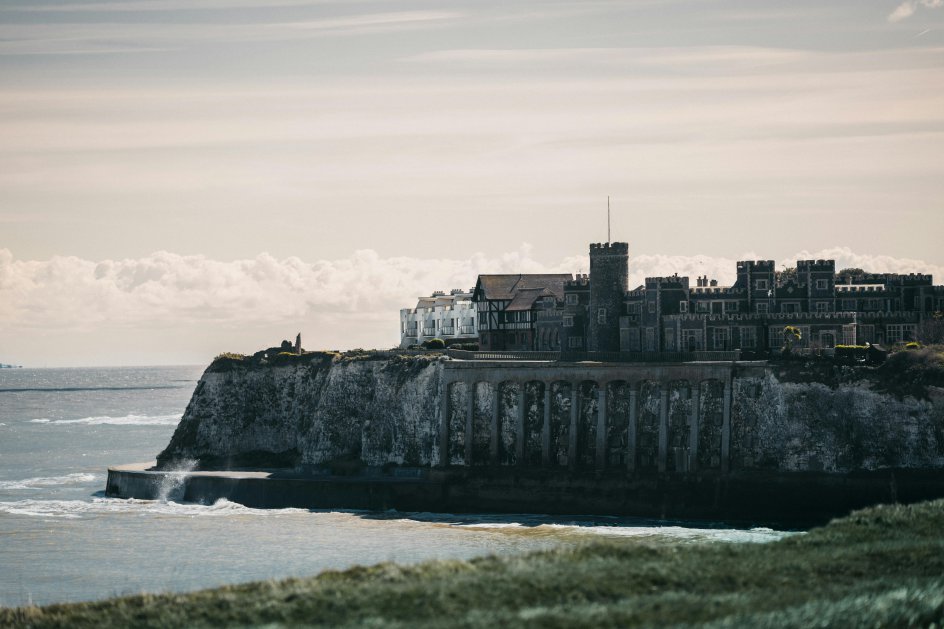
[607,218]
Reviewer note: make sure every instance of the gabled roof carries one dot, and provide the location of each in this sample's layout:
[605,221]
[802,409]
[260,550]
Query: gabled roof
[526,297]
[502,287]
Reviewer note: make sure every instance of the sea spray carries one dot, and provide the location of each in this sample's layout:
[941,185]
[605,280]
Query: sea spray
[174,479]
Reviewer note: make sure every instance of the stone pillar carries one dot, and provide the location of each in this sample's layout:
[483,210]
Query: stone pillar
[601,425]
[694,394]
[469,423]
[631,436]
[574,410]
[519,425]
[493,428]
[444,426]
[546,428]
[726,428]
[663,426]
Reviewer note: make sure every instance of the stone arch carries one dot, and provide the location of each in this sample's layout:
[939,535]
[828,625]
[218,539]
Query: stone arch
[481,437]
[647,426]
[616,441]
[458,403]
[559,437]
[678,427]
[507,452]
[586,443]
[533,423]
[711,421]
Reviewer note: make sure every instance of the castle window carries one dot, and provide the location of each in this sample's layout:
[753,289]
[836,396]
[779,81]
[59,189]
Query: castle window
[899,332]
[572,299]
[731,306]
[763,308]
[683,306]
[601,316]
[822,306]
[702,306]
[652,307]
[575,342]
[568,321]
[760,284]
[822,284]
[848,305]
[748,338]
[721,338]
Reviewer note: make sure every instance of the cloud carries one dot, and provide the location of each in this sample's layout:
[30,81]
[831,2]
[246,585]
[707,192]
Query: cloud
[907,8]
[168,289]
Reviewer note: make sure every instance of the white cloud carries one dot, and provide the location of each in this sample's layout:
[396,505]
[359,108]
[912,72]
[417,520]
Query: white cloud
[69,293]
[907,8]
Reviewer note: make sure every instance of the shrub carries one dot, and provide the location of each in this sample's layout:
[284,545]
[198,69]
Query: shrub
[913,345]
[434,344]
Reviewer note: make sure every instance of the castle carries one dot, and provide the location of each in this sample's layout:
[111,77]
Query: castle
[599,313]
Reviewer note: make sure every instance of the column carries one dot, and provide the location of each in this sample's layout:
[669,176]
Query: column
[493,429]
[663,425]
[631,437]
[694,394]
[519,425]
[574,409]
[601,425]
[726,427]
[546,428]
[444,426]
[469,422]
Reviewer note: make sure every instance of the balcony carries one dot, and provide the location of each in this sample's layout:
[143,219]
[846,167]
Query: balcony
[467,329]
[429,331]
[448,330]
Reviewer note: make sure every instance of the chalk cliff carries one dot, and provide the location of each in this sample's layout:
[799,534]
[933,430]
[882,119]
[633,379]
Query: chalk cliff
[374,410]
[312,409]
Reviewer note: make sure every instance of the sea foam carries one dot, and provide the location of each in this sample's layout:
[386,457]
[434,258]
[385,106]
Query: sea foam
[75,509]
[127,420]
[48,481]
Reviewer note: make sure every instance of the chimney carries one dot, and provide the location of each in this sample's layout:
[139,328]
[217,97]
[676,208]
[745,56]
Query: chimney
[713,282]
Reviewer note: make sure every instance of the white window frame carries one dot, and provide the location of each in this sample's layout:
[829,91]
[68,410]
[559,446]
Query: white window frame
[822,284]
[572,299]
[601,316]
[568,321]
[748,337]
[720,337]
[761,285]
[683,307]
[822,306]
[762,307]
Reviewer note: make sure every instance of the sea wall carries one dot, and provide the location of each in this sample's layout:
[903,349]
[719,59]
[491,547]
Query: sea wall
[347,413]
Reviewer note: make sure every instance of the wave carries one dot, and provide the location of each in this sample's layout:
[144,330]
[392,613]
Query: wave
[77,509]
[127,420]
[48,481]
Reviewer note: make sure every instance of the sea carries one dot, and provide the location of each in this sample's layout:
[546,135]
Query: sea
[62,540]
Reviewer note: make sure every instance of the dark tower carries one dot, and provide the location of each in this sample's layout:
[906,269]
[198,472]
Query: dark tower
[609,281]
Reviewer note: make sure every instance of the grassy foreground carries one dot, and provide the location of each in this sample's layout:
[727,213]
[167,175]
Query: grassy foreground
[879,567]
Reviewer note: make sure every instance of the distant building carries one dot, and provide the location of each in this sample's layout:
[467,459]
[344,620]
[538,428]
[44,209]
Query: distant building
[599,313]
[508,308]
[449,317]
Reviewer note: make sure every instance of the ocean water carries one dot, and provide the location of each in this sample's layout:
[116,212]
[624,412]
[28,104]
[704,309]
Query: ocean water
[62,540]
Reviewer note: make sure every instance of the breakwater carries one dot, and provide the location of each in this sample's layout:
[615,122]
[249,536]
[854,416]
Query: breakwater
[675,440]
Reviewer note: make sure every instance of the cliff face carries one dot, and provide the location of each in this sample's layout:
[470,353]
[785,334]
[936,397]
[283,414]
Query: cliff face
[315,409]
[322,409]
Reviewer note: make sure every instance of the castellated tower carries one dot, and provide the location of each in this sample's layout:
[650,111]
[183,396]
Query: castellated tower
[609,281]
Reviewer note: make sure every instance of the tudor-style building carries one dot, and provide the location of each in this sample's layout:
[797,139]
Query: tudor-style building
[518,312]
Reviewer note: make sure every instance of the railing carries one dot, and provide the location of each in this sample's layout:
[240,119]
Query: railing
[429,331]
[604,357]
[467,329]
[537,356]
[411,333]
[649,357]
[448,330]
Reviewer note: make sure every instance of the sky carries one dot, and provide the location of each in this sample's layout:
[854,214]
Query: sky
[181,178]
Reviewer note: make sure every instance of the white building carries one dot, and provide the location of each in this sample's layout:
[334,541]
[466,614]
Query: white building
[448,317]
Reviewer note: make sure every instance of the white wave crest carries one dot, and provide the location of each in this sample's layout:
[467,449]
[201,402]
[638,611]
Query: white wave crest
[127,420]
[48,481]
[73,509]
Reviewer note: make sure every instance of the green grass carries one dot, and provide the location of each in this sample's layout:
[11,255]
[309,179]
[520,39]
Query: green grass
[876,568]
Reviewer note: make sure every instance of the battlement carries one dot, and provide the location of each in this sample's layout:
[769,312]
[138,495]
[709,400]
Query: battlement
[756,265]
[816,265]
[581,280]
[609,248]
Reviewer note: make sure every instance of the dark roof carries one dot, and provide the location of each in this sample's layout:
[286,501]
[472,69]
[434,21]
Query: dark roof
[526,297]
[501,287]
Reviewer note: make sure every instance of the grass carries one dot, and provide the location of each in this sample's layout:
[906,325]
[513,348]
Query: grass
[879,567]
